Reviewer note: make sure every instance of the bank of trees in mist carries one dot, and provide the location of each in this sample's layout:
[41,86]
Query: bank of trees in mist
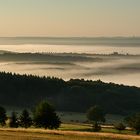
[75,95]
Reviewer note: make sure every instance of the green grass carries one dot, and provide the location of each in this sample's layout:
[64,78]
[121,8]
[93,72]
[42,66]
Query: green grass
[88,128]
[75,127]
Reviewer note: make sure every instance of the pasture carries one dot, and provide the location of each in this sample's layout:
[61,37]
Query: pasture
[74,127]
[41,134]
[66,132]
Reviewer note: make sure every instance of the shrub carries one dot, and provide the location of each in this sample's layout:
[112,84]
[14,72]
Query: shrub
[120,126]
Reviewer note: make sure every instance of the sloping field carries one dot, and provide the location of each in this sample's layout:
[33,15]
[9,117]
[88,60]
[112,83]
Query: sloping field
[40,134]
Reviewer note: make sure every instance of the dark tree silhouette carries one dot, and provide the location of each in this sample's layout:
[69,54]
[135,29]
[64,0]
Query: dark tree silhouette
[45,116]
[3,116]
[96,115]
[25,119]
[13,120]
[15,89]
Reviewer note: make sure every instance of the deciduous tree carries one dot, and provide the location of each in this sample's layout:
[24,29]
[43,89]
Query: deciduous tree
[96,115]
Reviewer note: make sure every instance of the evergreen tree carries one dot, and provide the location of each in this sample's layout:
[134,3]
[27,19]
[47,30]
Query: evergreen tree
[3,116]
[45,116]
[13,120]
[25,119]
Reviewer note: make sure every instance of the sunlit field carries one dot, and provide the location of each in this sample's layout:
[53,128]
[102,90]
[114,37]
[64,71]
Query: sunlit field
[41,134]
[75,131]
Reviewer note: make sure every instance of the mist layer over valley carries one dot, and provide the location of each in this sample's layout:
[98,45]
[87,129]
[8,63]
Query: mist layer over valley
[111,60]
[122,69]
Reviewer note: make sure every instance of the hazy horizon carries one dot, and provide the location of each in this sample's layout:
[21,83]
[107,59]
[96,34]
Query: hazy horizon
[64,18]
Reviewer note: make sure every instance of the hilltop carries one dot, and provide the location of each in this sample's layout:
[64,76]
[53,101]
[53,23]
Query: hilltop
[75,95]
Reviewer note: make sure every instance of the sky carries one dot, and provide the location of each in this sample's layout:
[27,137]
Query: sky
[86,18]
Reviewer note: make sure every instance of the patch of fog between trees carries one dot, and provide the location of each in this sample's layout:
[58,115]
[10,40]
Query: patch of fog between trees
[72,65]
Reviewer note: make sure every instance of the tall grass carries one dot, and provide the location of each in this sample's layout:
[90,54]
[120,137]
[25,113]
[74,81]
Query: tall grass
[41,134]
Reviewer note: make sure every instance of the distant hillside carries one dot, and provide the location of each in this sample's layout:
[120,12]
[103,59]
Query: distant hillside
[73,95]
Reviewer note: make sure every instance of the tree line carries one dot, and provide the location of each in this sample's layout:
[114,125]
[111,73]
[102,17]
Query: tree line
[27,90]
[44,116]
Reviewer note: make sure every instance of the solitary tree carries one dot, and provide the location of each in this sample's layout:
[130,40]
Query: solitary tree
[3,116]
[13,120]
[45,116]
[134,122]
[96,115]
[25,119]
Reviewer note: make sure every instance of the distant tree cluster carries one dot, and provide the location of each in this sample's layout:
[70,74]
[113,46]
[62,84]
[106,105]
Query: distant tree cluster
[44,116]
[96,116]
[15,89]
[133,121]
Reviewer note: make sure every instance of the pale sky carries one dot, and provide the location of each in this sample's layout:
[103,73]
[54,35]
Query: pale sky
[70,18]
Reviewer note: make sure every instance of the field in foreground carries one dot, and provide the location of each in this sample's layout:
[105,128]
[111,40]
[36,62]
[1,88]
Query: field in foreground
[41,134]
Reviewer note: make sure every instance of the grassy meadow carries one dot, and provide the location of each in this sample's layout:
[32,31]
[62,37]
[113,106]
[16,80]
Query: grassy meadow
[74,127]
[67,132]
[41,134]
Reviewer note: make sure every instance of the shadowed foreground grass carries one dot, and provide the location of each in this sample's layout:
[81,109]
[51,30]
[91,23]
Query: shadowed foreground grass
[41,134]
